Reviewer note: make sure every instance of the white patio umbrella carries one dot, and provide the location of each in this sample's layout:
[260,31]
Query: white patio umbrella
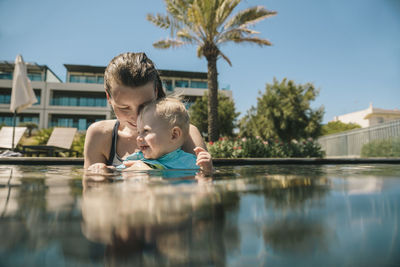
[22,95]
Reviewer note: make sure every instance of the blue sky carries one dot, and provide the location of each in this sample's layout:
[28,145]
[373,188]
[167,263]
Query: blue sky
[349,49]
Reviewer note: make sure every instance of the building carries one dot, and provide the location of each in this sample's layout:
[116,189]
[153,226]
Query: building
[370,116]
[81,100]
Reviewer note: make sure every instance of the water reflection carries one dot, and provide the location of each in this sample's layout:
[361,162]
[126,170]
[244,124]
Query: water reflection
[247,215]
[38,219]
[181,222]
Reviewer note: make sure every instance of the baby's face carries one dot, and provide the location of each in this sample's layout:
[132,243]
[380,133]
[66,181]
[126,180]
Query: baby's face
[154,136]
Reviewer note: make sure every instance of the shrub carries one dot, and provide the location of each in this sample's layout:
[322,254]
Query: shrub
[381,148]
[255,147]
[79,143]
[43,136]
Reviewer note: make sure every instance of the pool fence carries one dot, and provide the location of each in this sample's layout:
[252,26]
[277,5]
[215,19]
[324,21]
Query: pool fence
[350,143]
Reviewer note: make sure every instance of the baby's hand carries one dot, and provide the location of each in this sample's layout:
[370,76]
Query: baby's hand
[203,160]
[136,165]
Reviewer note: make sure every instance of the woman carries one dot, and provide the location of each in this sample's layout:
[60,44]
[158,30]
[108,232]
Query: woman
[130,81]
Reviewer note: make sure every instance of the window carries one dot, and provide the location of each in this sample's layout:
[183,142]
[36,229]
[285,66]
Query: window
[79,99]
[168,85]
[76,79]
[35,77]
[5,76]
[100,79]
[38,96]
[5,95]
[7,118]
[380,120]
[76,121]
[198,84]
[182,83]
[91,79]
[73,78]
[32,76]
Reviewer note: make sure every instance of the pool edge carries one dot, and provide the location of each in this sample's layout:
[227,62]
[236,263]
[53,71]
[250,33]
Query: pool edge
[217,162]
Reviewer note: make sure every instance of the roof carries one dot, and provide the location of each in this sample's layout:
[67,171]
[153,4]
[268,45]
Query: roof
[8,66]
[183,74]
[31,66]
[163,73]
[85,68]
[380,111]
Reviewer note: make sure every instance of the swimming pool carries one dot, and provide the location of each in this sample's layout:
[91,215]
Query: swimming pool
[265,215]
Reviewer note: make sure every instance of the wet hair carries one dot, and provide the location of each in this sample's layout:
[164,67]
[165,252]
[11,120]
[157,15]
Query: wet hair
[132,70]
[171,110]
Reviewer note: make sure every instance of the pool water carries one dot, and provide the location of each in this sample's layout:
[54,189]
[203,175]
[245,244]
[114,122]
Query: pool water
[282,215]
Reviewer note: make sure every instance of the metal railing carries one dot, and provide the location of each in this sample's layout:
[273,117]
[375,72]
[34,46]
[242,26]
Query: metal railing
[350,143]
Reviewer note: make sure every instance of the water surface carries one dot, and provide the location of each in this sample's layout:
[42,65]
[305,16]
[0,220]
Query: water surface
[288,215]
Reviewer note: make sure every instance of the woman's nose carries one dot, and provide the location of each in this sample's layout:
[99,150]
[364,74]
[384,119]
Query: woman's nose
[139,138]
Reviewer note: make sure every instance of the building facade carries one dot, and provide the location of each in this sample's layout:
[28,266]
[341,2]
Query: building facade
[370,116]
[81,100]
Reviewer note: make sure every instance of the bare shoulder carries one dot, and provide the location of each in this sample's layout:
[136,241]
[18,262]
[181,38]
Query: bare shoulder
[98,142]
[101,128]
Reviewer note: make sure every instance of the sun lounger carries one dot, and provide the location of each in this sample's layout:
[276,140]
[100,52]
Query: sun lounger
[60,141]
[6,134]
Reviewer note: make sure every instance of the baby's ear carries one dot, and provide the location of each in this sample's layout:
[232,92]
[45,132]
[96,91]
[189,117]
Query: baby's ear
[176,133]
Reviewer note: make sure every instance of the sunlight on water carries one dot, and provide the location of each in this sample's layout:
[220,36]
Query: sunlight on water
[248,215]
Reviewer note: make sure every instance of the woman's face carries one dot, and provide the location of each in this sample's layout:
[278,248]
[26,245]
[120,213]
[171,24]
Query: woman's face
[127,100]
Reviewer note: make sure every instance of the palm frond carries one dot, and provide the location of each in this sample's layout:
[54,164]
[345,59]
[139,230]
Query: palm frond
[178,8]
[234,34]
[248,17]
[204,16]
[168,43]
[225,9]
[187,37]
[159,20]
[225,57]
[255,40]
[200,51]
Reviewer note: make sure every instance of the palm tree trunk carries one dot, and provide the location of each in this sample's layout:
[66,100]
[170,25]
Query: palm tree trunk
[212,76]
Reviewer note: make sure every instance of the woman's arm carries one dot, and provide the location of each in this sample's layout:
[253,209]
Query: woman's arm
[98,143]
[194,140]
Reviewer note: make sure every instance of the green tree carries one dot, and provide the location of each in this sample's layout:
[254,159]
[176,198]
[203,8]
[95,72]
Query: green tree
[337,127]
[209,24]
[227,116]
[284,112]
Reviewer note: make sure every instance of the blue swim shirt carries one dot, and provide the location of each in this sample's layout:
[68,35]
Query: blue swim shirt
[177,159]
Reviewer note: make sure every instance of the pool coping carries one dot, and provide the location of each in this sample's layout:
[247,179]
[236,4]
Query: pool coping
[217,162]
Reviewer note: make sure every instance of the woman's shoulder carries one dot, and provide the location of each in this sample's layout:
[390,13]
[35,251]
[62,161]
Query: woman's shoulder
[98,142]
[101,128]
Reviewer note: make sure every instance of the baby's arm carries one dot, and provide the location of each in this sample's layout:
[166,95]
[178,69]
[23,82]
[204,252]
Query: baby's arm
[203,160]
[136,165]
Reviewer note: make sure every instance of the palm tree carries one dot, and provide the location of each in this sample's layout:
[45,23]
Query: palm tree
[208,24]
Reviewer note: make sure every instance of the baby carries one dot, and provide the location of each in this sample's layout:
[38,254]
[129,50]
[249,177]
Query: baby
[163,126]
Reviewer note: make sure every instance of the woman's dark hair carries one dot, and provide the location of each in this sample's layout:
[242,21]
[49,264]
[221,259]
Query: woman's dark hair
[132,69]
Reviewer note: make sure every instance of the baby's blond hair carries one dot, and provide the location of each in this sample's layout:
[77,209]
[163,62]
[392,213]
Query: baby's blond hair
[171,110]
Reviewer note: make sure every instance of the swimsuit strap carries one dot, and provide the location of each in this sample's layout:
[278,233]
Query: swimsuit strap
[113,150]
